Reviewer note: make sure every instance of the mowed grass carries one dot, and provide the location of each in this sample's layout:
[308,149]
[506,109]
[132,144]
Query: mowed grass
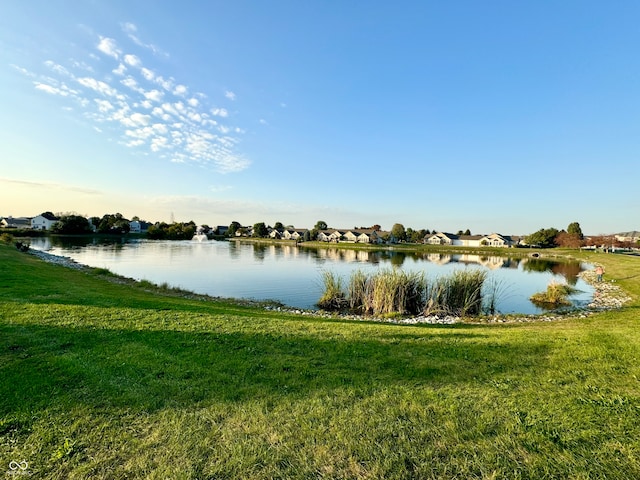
[107,381]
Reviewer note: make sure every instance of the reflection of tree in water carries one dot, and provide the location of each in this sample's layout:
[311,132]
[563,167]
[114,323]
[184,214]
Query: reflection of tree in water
[397,259]
[569,270]
[259,251]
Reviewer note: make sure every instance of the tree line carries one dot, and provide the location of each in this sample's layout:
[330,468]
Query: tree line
[117,224]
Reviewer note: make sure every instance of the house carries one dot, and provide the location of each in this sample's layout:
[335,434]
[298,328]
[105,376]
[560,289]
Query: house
[632,237]
[222,229]
[15,222]
[276,233]
[440,238]
[492,240]
[294,233]
[138,226]
[367,235]
[244,231]
[333,236]
[44,221]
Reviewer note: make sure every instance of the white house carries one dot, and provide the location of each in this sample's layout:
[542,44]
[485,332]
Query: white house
[15,222]
[492,240]
[137,226]
[293,233]
[43,221]
[330,235]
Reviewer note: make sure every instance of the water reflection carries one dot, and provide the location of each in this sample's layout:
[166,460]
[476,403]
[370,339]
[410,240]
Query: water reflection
[292,274]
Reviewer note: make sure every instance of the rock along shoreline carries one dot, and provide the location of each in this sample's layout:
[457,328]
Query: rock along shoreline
[607,296]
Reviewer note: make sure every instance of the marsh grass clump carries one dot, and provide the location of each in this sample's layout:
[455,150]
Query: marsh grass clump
[556,294]
[396,292]
[357,291]
[458,294]
[333,298]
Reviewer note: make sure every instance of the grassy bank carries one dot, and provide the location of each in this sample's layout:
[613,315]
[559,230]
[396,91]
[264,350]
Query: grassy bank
[105,380]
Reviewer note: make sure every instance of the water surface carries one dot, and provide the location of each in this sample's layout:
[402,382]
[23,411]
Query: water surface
[292,275]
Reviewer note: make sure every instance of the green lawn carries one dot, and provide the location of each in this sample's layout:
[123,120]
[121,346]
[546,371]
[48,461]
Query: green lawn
[103,380]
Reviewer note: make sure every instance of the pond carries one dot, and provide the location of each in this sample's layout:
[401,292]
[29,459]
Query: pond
[293,275]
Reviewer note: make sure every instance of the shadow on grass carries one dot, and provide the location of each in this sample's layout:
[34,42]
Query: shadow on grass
[48,366]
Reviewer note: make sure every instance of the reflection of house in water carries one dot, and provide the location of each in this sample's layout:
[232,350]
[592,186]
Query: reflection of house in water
[438,258]
[491,263]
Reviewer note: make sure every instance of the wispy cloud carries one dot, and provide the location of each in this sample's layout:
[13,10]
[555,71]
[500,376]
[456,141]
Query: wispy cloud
[49,186]
[153,112]
[132,32]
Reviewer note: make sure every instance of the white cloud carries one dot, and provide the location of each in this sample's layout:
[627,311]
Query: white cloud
[180,90]
[132,60]
[139,119]
[57,68]
[131,30]
[23,71]
[104,105]
[120,70]
[155,95]
[160,128]
[98,85]
[220,112]
[263,122]
[129,82]
[109,47]
[50,89]
[167,119]
[147,74]
[158,143]
[167,84]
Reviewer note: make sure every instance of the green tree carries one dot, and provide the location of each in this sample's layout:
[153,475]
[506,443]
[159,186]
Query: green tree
[260,230]
[467,232]
[398,232]
[417,236]
[574,229]
[113,224]
[233,228]
[543,238]
[278,226]
[320,225]
[72,225]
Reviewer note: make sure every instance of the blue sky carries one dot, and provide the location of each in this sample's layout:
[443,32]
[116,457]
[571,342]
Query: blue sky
[493,116]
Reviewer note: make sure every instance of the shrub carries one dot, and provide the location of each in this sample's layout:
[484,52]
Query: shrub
[555,295]
[6,238]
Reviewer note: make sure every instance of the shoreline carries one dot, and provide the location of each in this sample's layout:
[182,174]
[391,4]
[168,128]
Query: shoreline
[607,296]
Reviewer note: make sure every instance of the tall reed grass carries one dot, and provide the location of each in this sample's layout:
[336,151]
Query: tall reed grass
[458,294]
[333,298]
[389,292]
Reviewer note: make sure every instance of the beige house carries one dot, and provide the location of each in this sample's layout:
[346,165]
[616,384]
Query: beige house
[632,237]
